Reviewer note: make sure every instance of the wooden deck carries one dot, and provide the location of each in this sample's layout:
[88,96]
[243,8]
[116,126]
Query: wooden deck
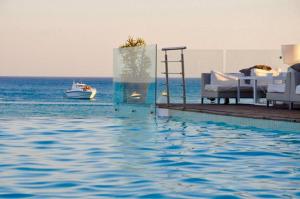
[241,110]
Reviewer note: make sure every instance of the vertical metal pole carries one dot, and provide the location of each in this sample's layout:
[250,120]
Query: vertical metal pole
[155,80]
[167,78]
[183,79]
[254,91]
[239,91]
[224,60]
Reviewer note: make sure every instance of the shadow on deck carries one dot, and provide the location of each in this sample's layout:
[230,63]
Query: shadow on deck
[280,113]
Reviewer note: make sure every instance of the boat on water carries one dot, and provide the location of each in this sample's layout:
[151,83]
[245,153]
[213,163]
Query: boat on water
[81,91]
[136,95]
[164,93]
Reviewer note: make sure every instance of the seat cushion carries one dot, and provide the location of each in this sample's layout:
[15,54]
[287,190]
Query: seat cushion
[266,77]
[276,88]
[298,89]
[217,88]
[265,73]
[220,88]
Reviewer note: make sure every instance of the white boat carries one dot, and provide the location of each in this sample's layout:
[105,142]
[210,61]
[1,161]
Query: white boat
[164,93]
[135,95]
[81,91]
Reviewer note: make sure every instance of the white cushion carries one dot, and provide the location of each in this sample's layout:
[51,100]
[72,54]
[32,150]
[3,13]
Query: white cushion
[276,71]
[276,88]
[264,73]
[298,89]
[218,88]
[222,79]
[211,87]
[267,76]
[280,79]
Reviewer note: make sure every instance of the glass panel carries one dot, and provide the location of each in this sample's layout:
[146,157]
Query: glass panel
[134,71]
[134,75]
[198,61]
[240,59]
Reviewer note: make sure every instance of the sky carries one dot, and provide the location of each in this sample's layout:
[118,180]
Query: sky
[77,37]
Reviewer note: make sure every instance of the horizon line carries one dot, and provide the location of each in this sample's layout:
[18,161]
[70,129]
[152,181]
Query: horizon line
[55,76]
[28,76]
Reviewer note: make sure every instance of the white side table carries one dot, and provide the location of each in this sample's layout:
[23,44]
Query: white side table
[254,87]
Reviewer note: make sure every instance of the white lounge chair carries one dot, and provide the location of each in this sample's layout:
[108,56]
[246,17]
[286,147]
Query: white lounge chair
[223,85]
[280,91]
[295,87]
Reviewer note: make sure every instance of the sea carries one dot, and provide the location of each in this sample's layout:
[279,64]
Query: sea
[38,96]
[55,147]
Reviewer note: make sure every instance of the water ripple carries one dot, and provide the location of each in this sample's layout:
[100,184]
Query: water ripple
[121,157]
[16,195]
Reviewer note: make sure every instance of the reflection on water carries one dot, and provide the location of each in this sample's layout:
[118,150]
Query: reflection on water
[53,147]
[111,155]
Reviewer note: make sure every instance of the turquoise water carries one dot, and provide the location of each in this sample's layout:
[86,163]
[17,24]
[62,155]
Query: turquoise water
[52,147]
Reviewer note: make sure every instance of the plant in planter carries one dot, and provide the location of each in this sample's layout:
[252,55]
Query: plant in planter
[135,76]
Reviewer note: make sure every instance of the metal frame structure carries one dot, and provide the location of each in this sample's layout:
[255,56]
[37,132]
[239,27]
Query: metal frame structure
[182,73]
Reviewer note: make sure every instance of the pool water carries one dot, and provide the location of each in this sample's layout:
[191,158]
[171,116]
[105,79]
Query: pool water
[63,149]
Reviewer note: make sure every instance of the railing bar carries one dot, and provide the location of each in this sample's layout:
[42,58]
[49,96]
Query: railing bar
[174,48]
[172,84]
[167,77]
[172,61]
[171,73]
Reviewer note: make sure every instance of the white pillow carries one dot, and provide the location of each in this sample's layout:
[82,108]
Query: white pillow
[262,73]
[276,71]
[279,79]
[267,76]
[222,79]
[298,90]
[276,88]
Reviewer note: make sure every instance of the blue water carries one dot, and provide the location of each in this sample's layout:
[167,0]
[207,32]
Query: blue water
[53,147]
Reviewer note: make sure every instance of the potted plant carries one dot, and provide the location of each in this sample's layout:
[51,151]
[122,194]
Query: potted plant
[134,74]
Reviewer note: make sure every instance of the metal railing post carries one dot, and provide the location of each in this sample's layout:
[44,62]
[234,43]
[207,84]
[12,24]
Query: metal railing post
[167,77]
[182,73]
[183,79]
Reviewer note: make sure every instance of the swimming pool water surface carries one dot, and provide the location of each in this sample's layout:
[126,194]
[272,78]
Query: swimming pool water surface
[112,157]
[63,149]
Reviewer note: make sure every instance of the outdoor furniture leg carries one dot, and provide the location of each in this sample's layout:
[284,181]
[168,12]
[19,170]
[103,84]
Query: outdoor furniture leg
[202,100]
[238,91]
[226,100]
[254,91]
[290,105]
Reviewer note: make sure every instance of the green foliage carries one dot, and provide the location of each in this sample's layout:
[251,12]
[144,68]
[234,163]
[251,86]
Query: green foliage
[136,61]
[131,42]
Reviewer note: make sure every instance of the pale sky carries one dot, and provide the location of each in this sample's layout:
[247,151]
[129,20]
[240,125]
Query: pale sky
[77,37]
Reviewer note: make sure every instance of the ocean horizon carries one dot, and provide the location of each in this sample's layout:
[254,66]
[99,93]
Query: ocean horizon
[28,96]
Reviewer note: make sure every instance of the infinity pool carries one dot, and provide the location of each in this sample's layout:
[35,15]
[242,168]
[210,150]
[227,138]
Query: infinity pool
[113,156]
[53,147]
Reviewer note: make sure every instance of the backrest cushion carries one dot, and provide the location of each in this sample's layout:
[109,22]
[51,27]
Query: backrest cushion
[223,79]
[263,73]
[296,67]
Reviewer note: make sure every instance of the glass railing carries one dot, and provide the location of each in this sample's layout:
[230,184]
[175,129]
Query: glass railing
[135,71]
[134,75]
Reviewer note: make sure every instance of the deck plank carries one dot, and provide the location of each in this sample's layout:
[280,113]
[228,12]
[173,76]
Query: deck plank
[241,110]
